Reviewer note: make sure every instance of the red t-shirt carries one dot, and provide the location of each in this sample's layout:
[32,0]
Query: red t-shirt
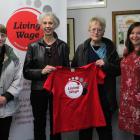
[76,103]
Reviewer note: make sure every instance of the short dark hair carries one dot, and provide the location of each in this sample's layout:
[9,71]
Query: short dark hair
[3,29]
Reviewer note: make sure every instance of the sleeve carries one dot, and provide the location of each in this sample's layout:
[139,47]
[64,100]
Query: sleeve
[66,55]
[17,83]
[48,85]
[100,76]
[28,69]
[77,56]
[8,96]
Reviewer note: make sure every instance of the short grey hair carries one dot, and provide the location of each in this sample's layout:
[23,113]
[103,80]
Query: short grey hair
[99,20]
[52,15]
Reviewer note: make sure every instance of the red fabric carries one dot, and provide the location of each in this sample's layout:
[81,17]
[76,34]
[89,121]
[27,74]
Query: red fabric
[77,111]
[129,115]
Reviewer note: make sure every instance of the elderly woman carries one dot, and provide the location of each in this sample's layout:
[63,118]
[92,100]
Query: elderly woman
[10,80]
[102,51]
[41,58]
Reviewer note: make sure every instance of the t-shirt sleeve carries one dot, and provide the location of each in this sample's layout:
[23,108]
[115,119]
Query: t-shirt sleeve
[100,76]
[48,85]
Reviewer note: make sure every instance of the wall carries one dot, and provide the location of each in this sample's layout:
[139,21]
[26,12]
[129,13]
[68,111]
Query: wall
[82,17]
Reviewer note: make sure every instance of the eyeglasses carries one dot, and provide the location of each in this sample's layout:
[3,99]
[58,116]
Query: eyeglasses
[94,30]
[2,35]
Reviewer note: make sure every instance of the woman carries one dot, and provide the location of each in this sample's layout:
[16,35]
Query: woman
[41,58]
[10,84]
[129,114]
[102,51]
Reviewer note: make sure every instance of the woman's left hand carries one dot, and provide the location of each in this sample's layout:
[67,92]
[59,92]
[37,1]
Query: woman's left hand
[100,62]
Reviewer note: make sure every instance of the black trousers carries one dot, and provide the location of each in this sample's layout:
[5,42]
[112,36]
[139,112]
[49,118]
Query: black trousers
[104,133]
[39,102]
[5,124]
[136,137]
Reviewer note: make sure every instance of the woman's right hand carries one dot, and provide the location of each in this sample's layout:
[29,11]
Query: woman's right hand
[48,69]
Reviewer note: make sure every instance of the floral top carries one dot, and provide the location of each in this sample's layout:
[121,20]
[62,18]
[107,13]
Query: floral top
[129,113]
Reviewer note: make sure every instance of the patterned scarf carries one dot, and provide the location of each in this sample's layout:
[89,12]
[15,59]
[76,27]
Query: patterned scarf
[101,52]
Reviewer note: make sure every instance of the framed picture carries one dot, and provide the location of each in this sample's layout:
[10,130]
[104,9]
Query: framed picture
[121,20]
[71,37]
[78,4]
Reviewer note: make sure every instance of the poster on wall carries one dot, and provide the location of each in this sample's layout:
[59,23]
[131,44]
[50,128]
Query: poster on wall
[121,21]
[20,18]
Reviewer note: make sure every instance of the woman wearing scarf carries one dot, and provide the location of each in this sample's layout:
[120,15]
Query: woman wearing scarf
[102,51]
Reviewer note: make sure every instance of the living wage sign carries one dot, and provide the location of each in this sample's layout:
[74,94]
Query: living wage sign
[20,18]
[23,29]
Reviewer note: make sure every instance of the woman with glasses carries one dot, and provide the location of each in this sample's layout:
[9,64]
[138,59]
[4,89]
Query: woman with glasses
[129,113]
[41,58]
[102,51]
[10,84]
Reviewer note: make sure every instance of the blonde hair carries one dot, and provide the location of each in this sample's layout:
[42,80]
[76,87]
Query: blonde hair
[99,20]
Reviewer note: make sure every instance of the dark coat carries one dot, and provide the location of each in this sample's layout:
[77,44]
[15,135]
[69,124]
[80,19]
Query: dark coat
[111,68]
[35,62]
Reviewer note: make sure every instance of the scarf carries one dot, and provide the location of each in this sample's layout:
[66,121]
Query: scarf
[101,51]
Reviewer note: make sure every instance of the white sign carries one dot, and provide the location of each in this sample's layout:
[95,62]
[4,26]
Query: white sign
[18,16]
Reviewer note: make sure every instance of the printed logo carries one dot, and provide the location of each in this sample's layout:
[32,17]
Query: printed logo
[23,29]
[75,87]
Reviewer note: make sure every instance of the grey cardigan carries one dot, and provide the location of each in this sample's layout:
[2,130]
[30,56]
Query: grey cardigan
[10,81]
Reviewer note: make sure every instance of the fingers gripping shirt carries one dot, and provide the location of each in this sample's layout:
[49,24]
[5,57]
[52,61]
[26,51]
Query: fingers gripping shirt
[76,102]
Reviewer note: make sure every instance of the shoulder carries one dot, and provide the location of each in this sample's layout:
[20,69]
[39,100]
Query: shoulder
[111,47]
[11,54]
[107,41]
[61,42]
[36,43]
[84,45]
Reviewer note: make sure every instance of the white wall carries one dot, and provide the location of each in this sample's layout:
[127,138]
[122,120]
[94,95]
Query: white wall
[82,17]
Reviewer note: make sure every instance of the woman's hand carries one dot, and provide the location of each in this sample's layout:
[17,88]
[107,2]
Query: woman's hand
[48,69]
[100,62]
[3,101]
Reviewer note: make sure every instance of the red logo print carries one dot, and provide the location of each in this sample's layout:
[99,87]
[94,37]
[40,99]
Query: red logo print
[23,29]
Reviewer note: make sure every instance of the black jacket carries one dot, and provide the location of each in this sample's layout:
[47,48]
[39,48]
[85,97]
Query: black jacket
[111,68]
[35,62]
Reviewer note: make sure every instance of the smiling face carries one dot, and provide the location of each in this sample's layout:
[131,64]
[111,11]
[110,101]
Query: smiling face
[48,25]
[96,31]
[135,36]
